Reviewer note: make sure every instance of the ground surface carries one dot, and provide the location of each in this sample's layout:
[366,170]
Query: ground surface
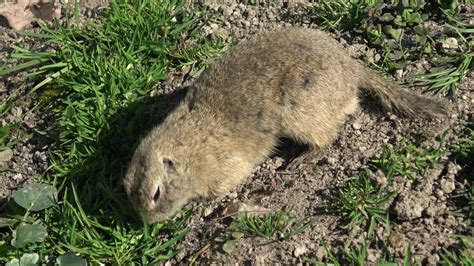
[420,211]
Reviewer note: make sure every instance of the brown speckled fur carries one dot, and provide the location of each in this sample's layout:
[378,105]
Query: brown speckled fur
[296,83]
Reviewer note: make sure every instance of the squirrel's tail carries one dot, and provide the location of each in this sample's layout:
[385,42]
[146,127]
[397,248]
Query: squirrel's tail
[396,99]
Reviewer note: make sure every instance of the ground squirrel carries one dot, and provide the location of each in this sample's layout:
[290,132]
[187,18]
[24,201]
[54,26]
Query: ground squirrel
[294,83]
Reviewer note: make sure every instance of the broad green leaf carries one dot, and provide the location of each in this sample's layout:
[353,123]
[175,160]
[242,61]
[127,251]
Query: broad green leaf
[28,233]
[70,259]
[29,259]
[4,222]
[13,262]
[25,260]
[5,154]
[36,196]
[237,235]
[229,246]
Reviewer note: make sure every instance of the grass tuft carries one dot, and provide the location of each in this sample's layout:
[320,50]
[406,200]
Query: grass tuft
[407,159]
[362,199]
[461,255]
[279,225]
[279,222]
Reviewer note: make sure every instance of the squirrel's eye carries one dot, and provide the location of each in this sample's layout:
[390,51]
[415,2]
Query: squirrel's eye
[169,165]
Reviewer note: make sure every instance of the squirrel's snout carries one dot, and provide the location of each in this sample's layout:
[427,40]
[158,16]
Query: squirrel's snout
[156,195]
[153,197]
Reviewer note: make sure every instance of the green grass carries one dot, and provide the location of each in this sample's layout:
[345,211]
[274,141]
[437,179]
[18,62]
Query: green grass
[358,256]
[7,140]
[279,222]
[365,202]
[341,14]
[265,226]
[362,199]
[464,148]
[461,255]
[389,28]
[451,68]
[97,76]
[407,159]
[278,225]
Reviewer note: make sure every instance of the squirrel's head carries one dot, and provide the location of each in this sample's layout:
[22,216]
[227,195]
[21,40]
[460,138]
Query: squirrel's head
[156,184]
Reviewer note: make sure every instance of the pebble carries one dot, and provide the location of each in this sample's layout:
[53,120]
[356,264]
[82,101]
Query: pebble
[449,44]
[447,185]
[399,73]
[299,250]
[331,160]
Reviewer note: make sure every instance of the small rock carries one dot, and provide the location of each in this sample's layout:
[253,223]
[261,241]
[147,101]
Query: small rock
[440,195]
[17,177]
[246,23]
[393,117]
[233,195]
[380,178]
[356,126]
[397,240]
[450,221]
[431,211]
[241,6]
[299,250]
[17,112]
[278,162]
[320,253]
[433,259]
[447,185]
[260,258]
[449,44]
[453,168]
[221,34]
[226,10]
[377,58]
[331,160]
[236,14]
[271,16]
[428,221]
[373,255]
[411,205]
[208,211]
[380,232]
[399,73]
[249,13]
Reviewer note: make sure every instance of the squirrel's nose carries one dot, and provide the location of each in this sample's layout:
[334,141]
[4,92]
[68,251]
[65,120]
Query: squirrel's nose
[156,195]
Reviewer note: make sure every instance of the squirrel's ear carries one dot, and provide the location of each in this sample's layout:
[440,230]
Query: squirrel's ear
[169,165]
